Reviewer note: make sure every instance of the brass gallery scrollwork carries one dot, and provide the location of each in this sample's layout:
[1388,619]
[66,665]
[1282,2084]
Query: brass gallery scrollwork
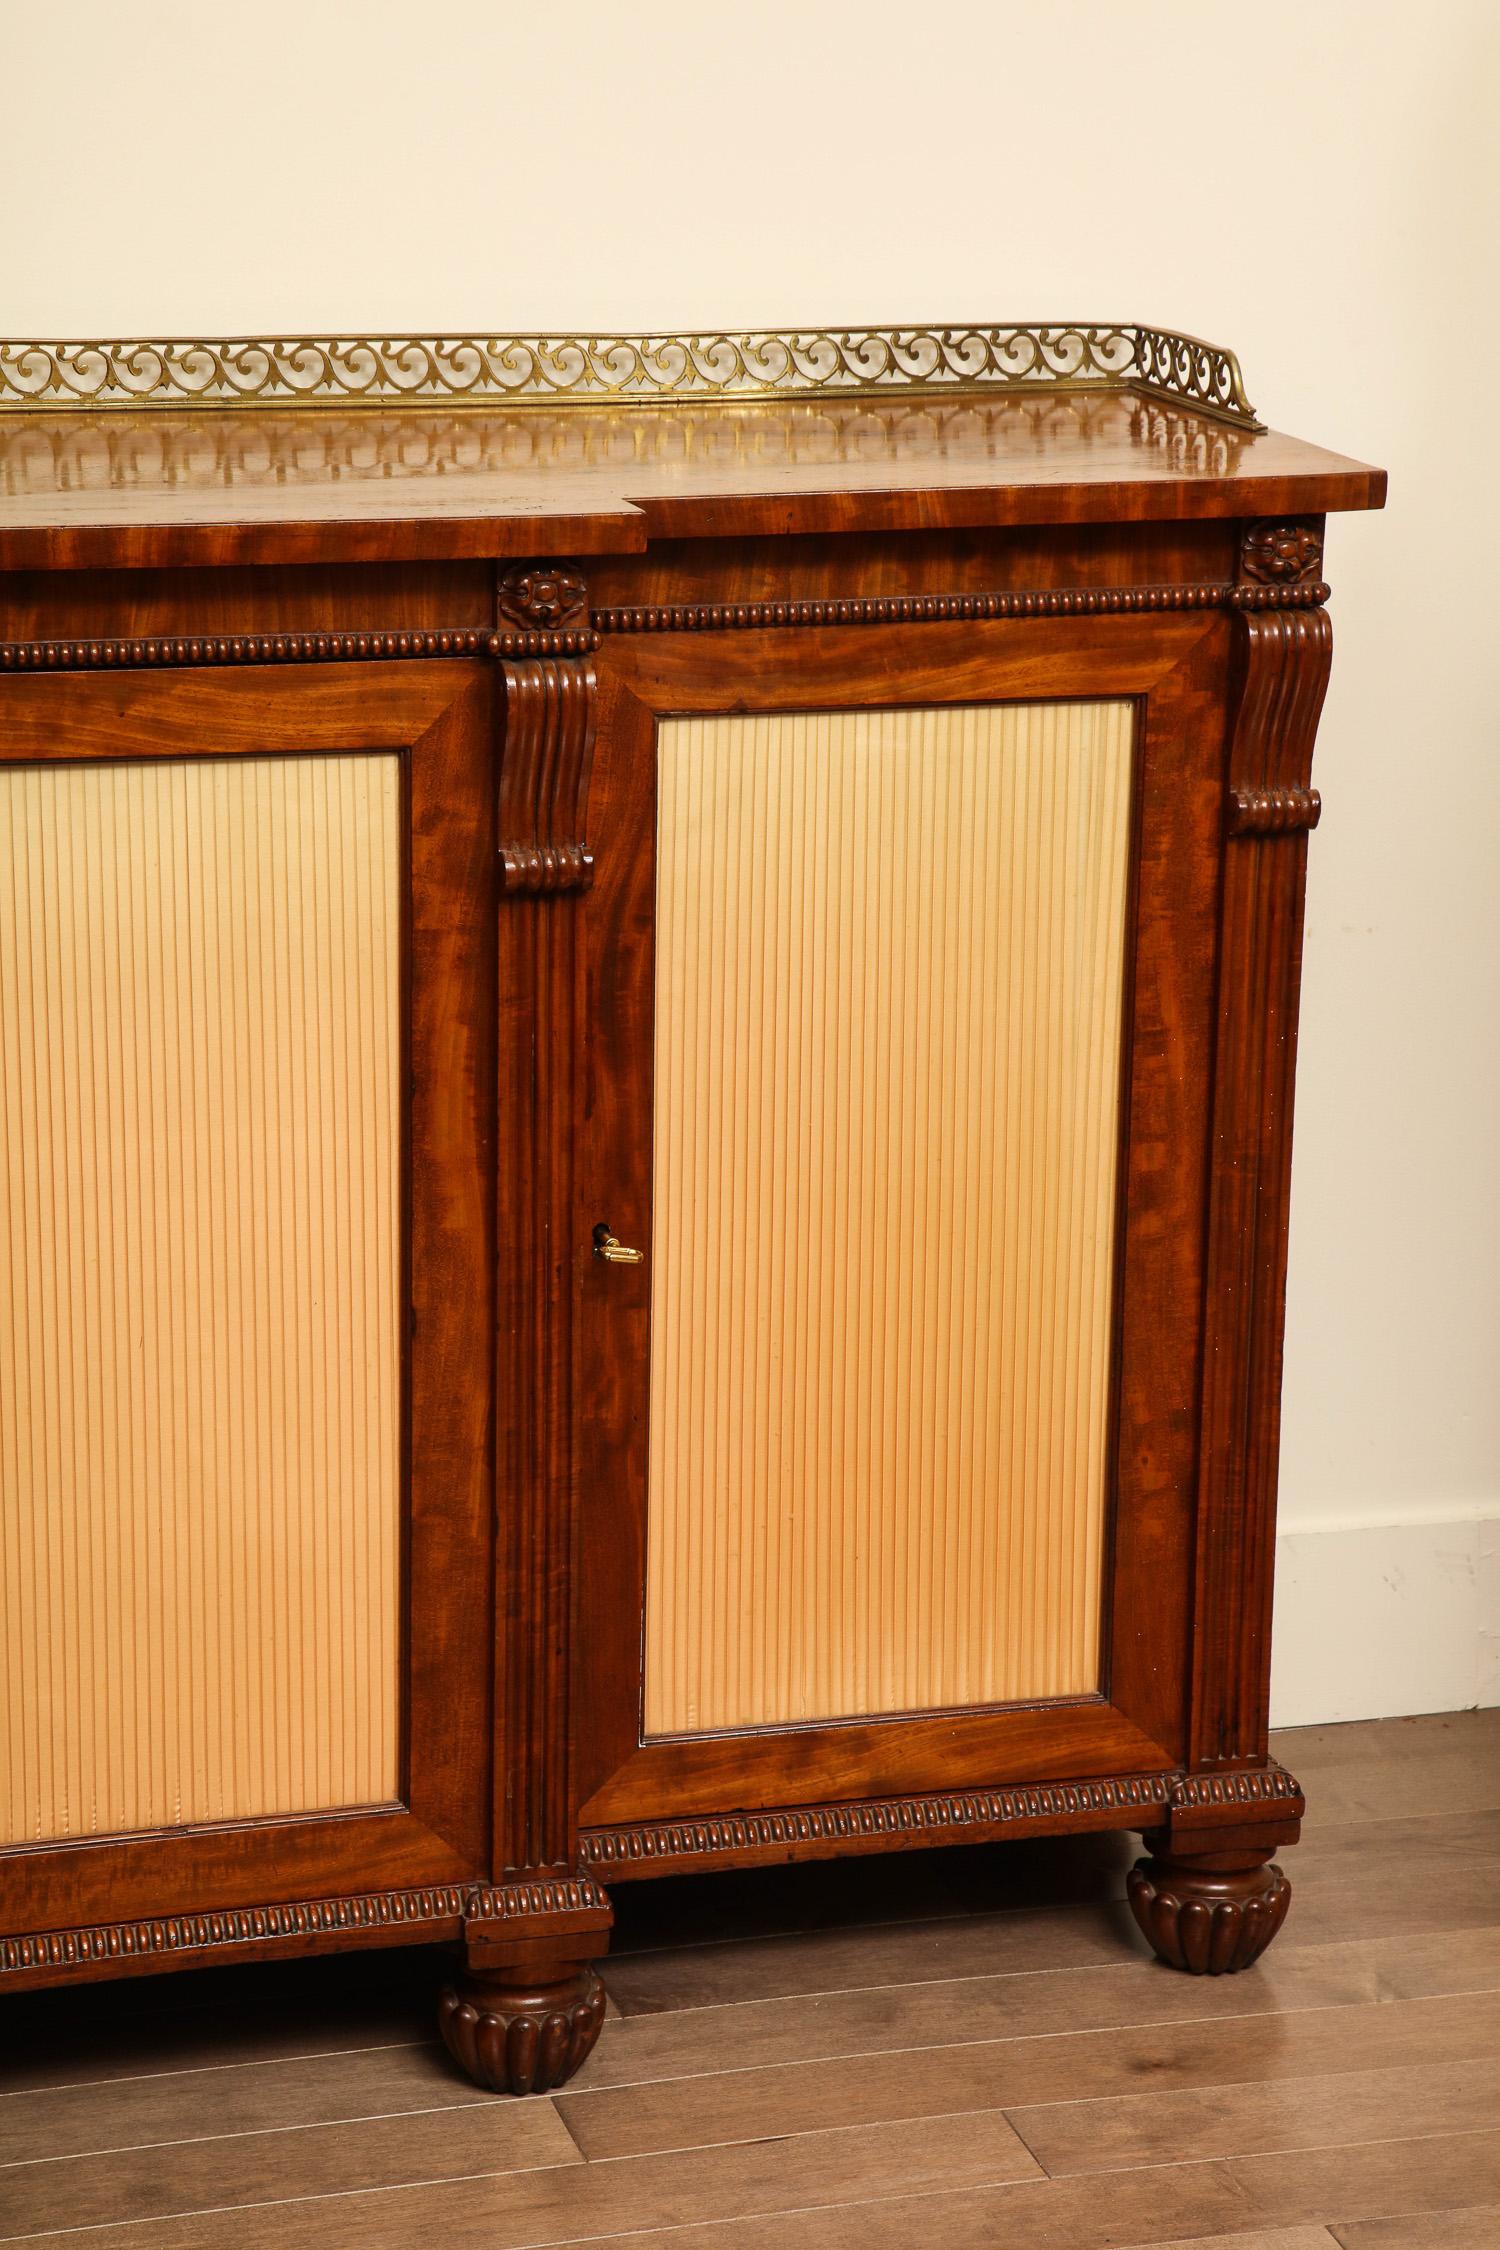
[1185,367]
[706,364]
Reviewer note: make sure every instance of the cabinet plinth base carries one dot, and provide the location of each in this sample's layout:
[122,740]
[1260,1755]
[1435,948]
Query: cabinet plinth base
[1209,1913]
[520,2034]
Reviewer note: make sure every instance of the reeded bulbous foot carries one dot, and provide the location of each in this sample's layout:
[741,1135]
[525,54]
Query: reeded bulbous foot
[521,2038]
[1211,1914]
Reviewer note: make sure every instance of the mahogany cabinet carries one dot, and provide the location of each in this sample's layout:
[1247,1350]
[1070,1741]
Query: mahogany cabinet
[648,994]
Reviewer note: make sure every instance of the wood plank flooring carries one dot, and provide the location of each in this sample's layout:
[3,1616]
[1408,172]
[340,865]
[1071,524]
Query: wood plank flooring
[950,2051]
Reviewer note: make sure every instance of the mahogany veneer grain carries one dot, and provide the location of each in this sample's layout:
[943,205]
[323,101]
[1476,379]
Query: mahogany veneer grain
[213,585]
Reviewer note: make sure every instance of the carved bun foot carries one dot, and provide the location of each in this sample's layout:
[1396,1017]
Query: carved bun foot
[520,2038]
[1209,1915]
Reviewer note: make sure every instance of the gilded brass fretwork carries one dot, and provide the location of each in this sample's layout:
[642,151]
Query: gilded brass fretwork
[597,370]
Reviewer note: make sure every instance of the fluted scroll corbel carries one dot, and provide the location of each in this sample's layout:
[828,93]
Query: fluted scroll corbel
[1282,659]
[546,646]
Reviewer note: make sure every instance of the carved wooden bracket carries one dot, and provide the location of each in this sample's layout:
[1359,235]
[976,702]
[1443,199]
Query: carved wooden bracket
[550,695]
[1283,660]
[550,690]
[544,774]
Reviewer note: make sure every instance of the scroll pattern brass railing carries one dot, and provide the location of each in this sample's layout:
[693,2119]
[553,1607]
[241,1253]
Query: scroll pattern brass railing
[599,370]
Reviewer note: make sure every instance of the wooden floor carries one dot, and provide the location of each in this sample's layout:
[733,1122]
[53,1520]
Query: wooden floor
[950,2051]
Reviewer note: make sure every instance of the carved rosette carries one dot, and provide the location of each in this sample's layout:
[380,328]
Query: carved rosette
[1208,1919]
[543,598]
[519,2040]
[1282,554]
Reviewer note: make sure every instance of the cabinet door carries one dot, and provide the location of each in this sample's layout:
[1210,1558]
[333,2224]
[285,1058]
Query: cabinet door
[246,1071]
[900,1015]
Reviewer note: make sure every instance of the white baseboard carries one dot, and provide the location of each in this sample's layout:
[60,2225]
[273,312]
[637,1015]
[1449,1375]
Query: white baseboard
[1375,1621]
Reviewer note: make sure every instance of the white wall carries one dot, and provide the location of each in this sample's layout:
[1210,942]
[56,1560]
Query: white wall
[1312,181]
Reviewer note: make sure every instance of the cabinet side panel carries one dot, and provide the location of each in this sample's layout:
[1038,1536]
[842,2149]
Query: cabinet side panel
[890,952]
[199,1227]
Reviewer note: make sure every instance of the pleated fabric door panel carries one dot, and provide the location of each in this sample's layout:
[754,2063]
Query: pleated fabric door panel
[889,989]
[199,1360]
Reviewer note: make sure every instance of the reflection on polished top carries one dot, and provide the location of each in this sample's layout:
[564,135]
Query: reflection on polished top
[279,484]
[188,452]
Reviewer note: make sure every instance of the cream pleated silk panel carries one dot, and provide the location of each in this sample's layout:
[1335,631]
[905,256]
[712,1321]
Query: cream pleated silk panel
[890,967]
[199,1273]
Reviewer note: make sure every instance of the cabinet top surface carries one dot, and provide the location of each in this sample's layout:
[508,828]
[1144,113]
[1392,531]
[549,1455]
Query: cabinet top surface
[125,485]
